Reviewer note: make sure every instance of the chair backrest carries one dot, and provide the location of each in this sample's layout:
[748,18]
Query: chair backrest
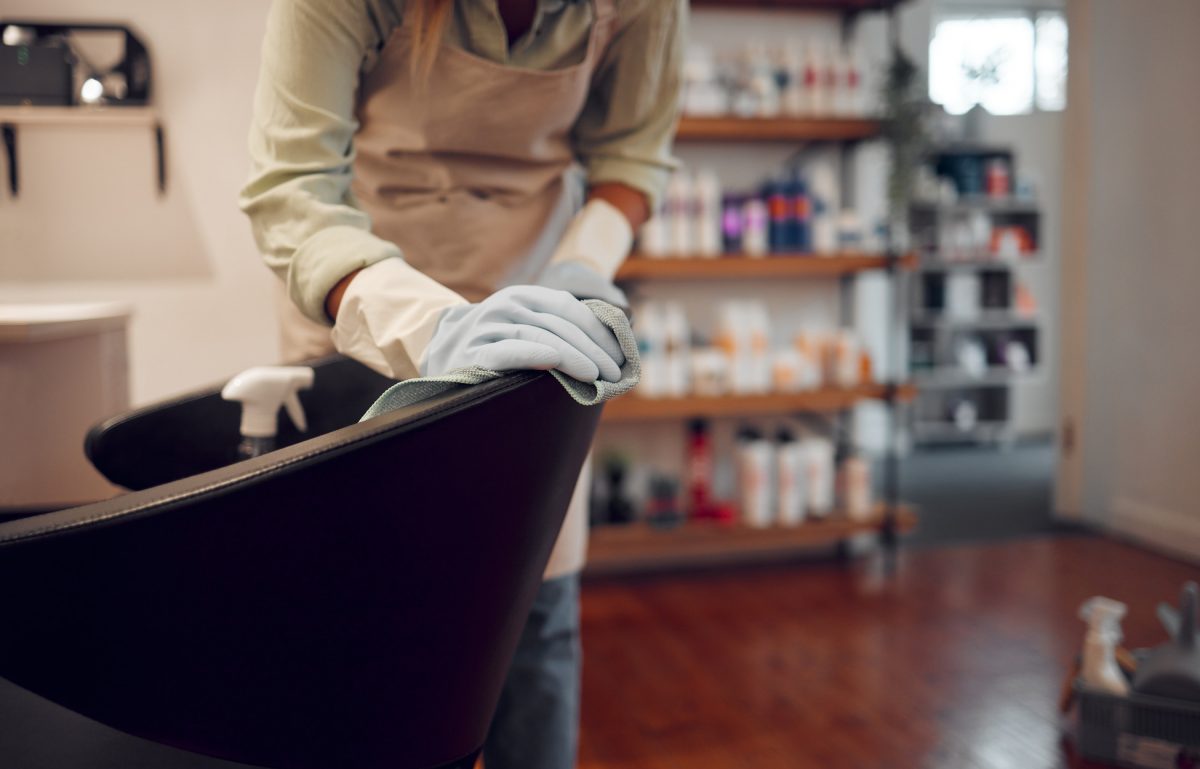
[199,431]
[350,601]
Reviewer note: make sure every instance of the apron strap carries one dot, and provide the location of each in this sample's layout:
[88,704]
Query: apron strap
[604,24]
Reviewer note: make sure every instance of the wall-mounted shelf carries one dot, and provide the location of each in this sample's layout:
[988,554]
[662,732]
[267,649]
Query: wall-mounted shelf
[114,116]
[1002,319]
[147,117]
[930,263]
[634,408]
[992,431]
[781,129]
[734,266]
[639,547]
[951,378]
[987,205]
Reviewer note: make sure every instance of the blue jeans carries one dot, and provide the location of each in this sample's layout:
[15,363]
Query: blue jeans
[536,725]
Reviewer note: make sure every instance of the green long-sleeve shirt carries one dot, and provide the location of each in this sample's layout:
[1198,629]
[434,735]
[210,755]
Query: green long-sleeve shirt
[298,197]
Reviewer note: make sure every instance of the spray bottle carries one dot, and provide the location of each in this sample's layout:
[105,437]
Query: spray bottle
[261,391]
[1100,670]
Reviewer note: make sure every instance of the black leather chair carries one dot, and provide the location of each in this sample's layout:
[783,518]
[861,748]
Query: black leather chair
[350,601]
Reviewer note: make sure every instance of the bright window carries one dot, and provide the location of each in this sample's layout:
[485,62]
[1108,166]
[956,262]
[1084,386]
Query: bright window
[1010,62]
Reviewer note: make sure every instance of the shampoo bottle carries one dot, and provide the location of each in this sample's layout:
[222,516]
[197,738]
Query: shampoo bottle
[699,470]
[790,477]
[819,475]
[679,214]
[677,350]
[823,191]
[707,235]
[855,475]
[754,227]
[650,330]
[754,478]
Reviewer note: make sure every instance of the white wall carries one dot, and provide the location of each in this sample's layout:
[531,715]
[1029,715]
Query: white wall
[1135,271]
[90,225]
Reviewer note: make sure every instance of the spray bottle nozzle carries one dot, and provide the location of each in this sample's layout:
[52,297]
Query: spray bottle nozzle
[1103,616]
[262,391]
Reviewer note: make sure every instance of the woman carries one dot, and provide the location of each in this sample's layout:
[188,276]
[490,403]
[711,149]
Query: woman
[419,177]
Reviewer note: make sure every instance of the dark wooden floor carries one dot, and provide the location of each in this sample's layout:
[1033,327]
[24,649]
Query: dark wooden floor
[955,663]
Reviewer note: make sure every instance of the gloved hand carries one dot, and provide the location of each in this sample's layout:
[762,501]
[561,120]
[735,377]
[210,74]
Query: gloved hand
[591,250]
[525,327]
[582,282]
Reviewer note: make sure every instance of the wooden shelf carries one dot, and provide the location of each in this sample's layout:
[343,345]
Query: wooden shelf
[985,320]
[90,116]
[633,408]
[932,264]
[955,378]
[780,129]
[1008,205]
[733,266]
[639,547]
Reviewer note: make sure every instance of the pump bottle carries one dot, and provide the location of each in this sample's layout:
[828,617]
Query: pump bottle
[1100,670]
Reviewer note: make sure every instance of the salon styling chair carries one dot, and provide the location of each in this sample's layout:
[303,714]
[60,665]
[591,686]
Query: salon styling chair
[349,601]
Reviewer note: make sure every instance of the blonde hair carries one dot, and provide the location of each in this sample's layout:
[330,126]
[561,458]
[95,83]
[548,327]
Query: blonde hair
[429,18]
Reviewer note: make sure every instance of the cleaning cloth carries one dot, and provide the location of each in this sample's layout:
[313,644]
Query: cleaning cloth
[412,391]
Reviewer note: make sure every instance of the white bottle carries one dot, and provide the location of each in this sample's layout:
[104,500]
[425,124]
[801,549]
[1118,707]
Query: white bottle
[845,359]
[849,231]
[262,391]
[650,330]
[755,464]
[710,372]
[962,295]
[679,213]
[791,61]
[677,350]
[754,227]
[759,334]
[707,222]
[825,65]
[810,80]
[808,346]
[1100,670]
[855,475]
[823,190]
[652,239]
[847,94]
[856,97]
[819,475]
[789,480]
[732,338]
[762,81]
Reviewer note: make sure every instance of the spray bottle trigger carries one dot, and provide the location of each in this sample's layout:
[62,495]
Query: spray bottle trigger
[295,410]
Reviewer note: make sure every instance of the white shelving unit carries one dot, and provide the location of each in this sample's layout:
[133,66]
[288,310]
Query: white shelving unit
[14,117]
[967,297]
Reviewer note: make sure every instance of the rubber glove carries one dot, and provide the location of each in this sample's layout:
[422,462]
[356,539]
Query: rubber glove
[525,327]
[388,315]
[582,282]
[593,247]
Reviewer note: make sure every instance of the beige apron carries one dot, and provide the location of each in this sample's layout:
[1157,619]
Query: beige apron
[472,177]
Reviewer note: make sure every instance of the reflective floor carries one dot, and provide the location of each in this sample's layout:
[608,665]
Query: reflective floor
[954,663]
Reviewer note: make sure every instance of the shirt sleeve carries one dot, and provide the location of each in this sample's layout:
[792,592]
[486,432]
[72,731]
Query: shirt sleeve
[625,130]
[298,198]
